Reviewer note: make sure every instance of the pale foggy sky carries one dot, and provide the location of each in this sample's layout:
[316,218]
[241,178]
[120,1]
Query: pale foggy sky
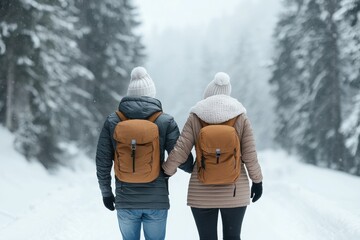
[188,41]
[157,15]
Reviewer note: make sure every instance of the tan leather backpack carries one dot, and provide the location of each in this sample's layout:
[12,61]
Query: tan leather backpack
[137,153]
[218,154]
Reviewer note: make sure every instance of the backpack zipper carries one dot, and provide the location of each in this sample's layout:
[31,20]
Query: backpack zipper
[133,148]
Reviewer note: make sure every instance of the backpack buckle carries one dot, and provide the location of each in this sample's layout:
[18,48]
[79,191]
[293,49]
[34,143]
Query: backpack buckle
[133,144]
[218,152]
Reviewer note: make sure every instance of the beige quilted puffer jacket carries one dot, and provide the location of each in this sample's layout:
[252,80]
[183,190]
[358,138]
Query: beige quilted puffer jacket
[217,109]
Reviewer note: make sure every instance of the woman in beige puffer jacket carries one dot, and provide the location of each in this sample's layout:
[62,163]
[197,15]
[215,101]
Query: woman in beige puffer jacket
[207,200]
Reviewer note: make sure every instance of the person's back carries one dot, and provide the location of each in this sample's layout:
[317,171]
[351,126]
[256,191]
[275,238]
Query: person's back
[137,203]
[153,195]
[230,199]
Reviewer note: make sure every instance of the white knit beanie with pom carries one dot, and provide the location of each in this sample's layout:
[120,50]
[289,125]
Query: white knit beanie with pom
[219,85]
[141,83]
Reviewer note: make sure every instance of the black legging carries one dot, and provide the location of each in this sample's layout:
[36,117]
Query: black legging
[206,222]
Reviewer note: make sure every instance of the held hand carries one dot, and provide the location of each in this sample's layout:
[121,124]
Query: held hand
[109,202]
[164,174]
[166,177]
[256,191]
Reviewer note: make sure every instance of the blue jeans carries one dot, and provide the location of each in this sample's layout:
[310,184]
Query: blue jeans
[153,220]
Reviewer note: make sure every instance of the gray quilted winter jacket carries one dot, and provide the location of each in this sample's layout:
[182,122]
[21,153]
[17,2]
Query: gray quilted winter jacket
[153,195]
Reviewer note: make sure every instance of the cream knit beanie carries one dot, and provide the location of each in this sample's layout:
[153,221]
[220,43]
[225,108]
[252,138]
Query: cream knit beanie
[219,85]
[141,83]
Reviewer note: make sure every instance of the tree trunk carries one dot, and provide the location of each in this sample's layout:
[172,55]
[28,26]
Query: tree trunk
[10,90]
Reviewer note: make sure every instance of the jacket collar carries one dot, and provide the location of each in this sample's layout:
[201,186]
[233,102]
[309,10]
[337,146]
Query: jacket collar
[139,107]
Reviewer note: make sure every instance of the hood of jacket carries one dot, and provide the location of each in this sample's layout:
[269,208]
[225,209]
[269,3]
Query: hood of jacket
[218,109]
[139,107]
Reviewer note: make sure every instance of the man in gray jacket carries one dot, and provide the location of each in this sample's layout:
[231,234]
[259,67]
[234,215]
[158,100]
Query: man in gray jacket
[138,203]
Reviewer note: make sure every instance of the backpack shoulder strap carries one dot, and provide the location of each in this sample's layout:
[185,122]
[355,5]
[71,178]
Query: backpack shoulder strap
[153,117]
[203,123]
[231,122]
[121,116]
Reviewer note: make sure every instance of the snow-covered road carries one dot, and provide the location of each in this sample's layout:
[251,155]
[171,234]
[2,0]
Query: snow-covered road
[68,208]
[304,202]
[299,202]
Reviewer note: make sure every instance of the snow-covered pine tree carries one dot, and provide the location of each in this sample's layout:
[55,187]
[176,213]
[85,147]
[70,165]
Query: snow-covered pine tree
[18,46]
[349,21]
[112,49]
[45,66]
[14,20]
[61,60]
[310,60]
[288,66]
[324,79]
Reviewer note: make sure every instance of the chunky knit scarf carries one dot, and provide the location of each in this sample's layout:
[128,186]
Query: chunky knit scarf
[218,109]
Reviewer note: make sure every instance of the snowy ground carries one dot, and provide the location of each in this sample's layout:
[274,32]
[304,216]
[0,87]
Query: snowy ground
[299,202]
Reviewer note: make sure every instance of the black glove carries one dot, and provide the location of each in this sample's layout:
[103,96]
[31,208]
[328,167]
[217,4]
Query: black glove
[188,166]
[166,176]
[256,191]
[109,202]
